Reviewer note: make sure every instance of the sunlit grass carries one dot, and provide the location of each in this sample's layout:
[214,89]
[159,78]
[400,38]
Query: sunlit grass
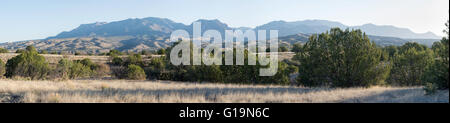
[124,91]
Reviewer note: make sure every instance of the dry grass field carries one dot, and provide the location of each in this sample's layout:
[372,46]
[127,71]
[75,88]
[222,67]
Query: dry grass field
[124,91]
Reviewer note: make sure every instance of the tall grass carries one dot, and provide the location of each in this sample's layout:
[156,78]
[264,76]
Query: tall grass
[122,91]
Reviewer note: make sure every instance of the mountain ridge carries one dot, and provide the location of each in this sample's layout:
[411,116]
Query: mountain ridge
[154,25]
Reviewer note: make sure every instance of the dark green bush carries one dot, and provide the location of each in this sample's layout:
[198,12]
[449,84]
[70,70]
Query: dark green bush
[135,72]
[88,63]
[156,68]
[29,64]
[410,65]
[341,59]
[117,61]
[297,47]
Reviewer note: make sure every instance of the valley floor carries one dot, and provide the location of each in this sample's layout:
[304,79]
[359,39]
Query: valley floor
[124,91]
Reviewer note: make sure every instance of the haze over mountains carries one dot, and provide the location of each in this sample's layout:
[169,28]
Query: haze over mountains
[153,33]
[162,26]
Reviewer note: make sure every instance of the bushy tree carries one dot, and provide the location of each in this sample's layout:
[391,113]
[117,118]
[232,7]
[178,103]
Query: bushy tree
[341,59]
[135,72]
[409,66]
[28,64]
[438,74]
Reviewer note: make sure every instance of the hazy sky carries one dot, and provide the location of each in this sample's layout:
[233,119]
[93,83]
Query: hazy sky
[37,19]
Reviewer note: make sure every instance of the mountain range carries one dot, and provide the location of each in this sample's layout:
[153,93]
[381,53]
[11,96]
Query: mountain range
[153,33]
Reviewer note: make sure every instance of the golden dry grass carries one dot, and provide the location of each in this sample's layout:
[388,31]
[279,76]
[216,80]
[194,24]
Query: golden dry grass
[123,91]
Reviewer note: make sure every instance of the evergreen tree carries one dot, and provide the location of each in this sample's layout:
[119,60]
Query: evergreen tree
[341,59]
[28,64]
[410,65]
[438,74]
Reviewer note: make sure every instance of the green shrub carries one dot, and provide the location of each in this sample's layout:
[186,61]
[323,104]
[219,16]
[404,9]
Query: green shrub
[156,68]
[135,72]
[114,53]
[88,63]
[282,76]
[135,59]
[28,64]
[430,88]
[2,69]
[117,61]
[79,70]
[63,69]
[3,50]
[67,69]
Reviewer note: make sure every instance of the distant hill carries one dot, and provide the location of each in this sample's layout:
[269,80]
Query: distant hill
[391,31]
[153,33]
[319,26]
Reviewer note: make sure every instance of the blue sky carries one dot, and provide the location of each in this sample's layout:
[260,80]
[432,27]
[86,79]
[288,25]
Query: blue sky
[37,19]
